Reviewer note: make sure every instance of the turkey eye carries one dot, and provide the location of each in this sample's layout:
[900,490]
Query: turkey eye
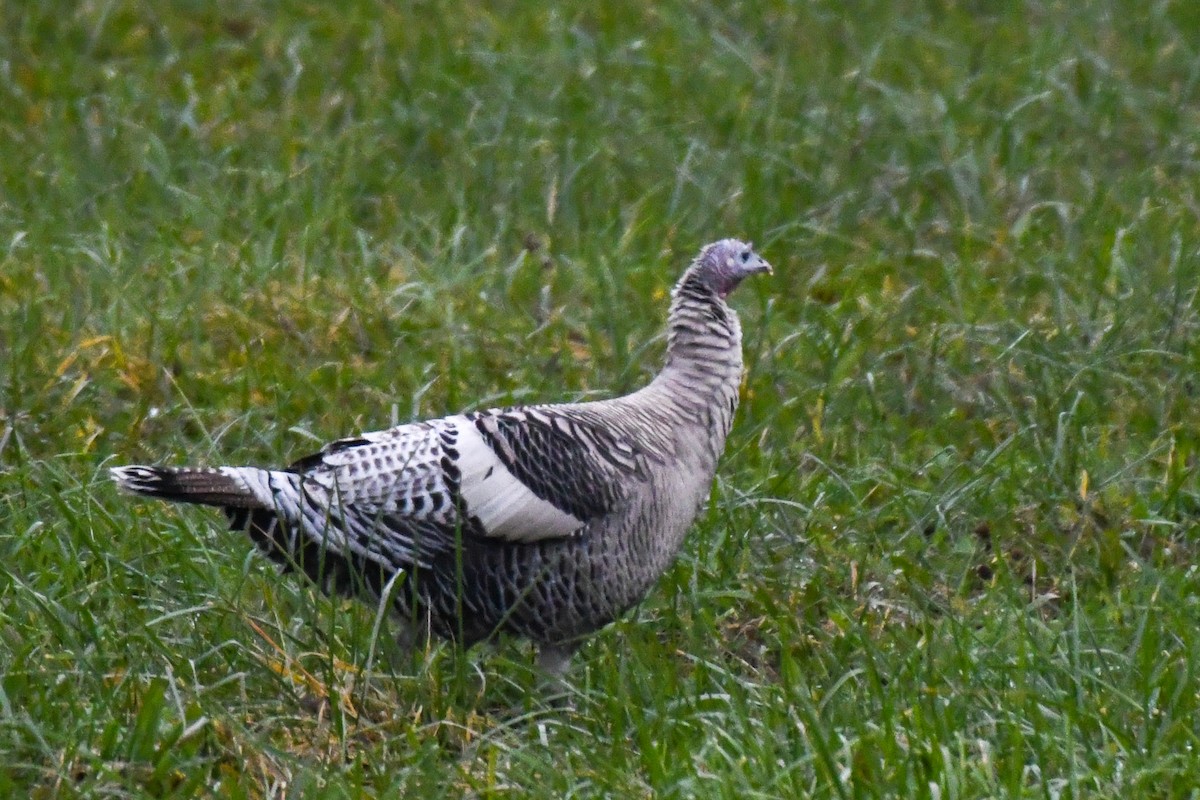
[745,256]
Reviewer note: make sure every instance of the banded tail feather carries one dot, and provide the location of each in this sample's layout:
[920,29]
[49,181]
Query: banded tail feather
[251,505]
[224,487]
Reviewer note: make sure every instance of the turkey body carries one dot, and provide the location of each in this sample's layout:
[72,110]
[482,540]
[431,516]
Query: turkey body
[555,591]
[546,522]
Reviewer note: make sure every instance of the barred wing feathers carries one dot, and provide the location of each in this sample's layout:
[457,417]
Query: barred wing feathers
[403,496]
[442,474]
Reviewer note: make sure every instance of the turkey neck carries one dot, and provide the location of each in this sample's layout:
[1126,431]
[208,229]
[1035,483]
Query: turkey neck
[704,356]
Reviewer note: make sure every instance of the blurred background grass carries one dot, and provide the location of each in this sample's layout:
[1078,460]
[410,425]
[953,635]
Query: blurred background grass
[951,548]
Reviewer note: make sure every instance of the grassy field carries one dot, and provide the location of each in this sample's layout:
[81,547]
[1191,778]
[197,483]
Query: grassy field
[951,549]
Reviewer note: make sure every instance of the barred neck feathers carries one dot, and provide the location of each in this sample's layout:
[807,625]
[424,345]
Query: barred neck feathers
[704,337]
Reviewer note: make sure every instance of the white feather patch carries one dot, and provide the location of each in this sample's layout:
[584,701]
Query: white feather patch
[255,481]
[505,505]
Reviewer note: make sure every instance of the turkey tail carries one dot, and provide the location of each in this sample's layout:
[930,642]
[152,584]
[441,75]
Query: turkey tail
[267,506]
[225,487]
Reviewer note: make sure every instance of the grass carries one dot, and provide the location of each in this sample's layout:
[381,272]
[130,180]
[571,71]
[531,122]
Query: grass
[951,549]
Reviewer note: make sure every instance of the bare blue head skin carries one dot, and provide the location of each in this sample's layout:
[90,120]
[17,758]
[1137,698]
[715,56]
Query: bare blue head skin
[723,265]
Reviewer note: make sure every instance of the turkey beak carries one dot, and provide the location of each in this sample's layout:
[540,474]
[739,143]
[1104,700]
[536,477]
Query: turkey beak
[762,266]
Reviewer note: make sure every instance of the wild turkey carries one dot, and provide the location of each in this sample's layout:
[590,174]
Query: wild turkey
[545,521]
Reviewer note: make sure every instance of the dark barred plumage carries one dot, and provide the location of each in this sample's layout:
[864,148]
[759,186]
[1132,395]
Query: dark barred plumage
[544,521]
